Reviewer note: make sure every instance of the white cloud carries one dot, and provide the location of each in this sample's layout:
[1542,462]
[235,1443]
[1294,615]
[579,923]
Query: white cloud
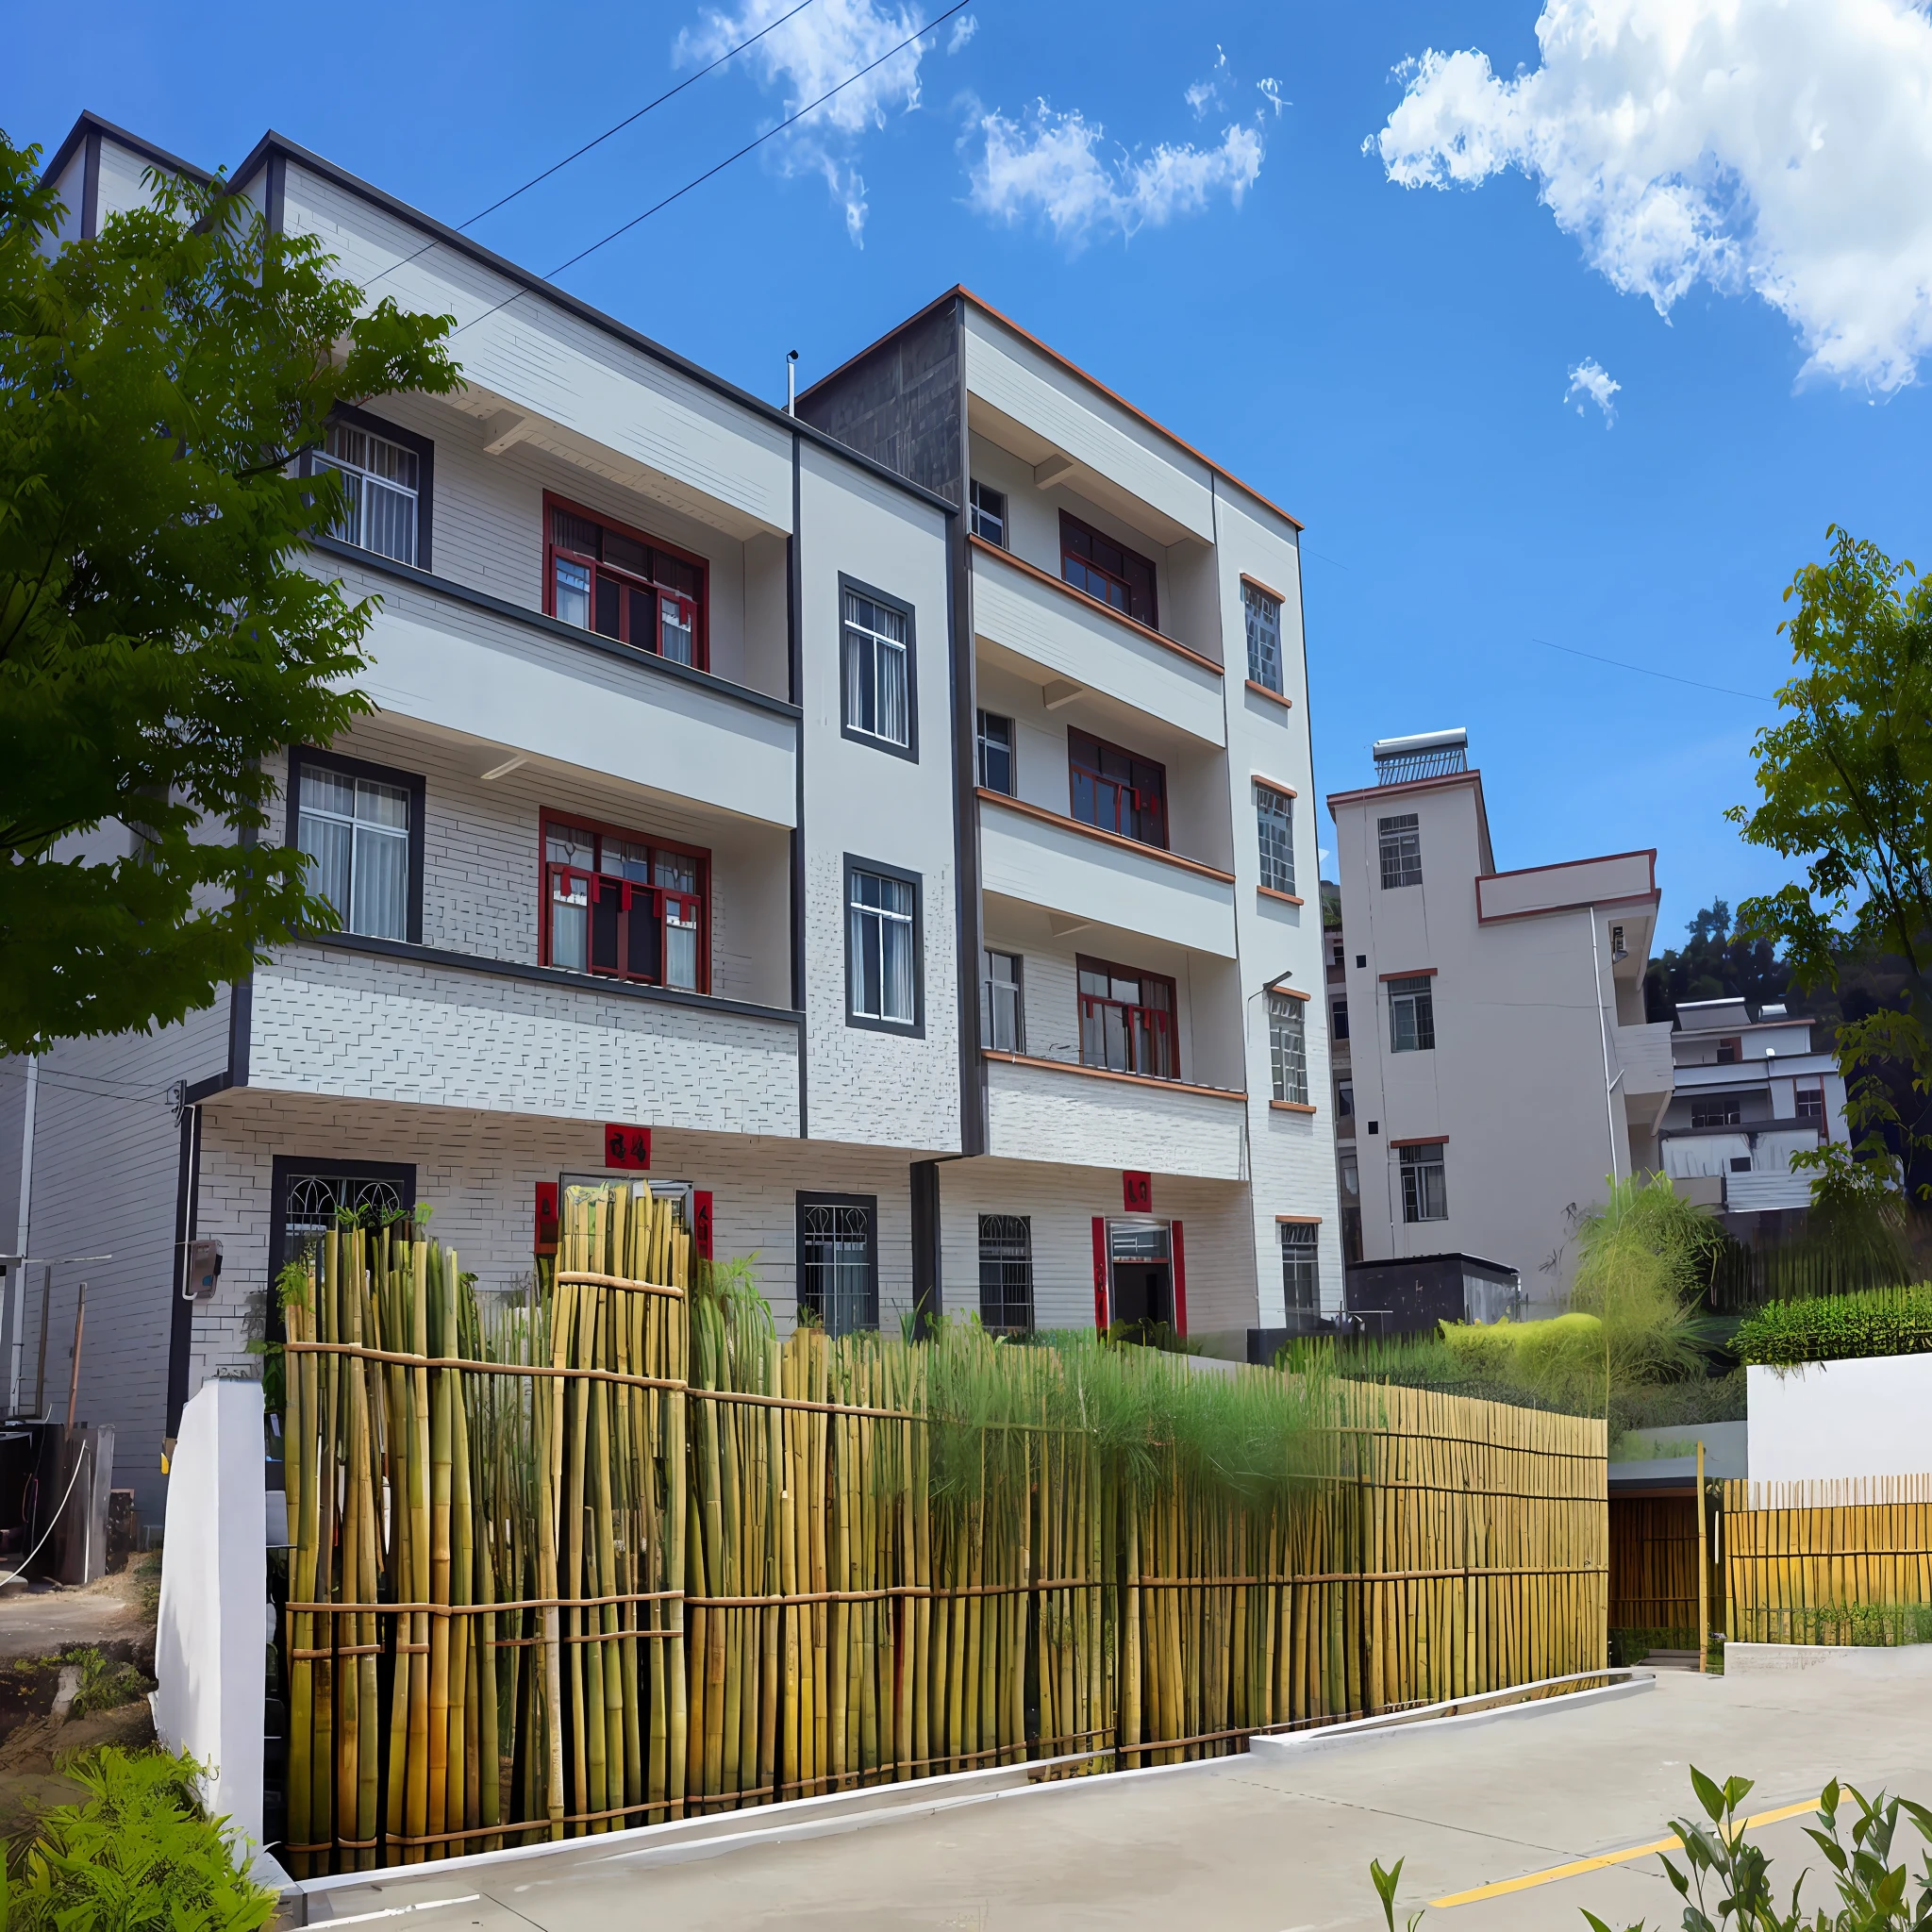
[1778,146]
[1270,91]
[965,27]
[1205,94]
[807,56]
[1058,166]
[1590,378]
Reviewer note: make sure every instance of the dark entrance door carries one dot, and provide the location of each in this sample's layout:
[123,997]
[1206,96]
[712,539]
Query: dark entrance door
[1142,1271]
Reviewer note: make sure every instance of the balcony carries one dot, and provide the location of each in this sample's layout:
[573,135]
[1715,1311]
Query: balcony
[1082,1117]
[1059,635]
[464,662]
[1643,1053]
[1045,858]
[379,1020]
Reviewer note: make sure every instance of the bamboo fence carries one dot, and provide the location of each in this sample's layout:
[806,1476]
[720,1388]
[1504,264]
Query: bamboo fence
[1654,1568]
[614,1552]
[1828,1562]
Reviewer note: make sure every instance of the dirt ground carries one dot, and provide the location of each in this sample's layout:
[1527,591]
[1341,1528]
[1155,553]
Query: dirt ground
[62,1650]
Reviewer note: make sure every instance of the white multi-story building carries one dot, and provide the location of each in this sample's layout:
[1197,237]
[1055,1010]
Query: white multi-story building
[1749,1093]
[1500,1067]
[712,741]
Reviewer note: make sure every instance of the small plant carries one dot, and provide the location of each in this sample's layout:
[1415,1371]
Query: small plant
[138,1855]
[1828,1329]
[1385,1883]
[105,1684]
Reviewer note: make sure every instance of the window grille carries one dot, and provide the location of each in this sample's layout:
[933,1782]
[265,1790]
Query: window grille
[1288,1047]
[1301,1279]
[1402,851]
[1264,637]
[1005,1272]
[1275,819]
[837,1278]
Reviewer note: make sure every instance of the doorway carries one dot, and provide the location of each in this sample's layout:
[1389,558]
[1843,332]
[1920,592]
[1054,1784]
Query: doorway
[1140,1266]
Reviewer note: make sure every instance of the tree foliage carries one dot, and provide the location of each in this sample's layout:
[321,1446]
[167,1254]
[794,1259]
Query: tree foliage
[159,637]
[1846,785]
[1715,962]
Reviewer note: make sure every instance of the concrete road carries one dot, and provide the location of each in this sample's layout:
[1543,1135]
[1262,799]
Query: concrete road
[1248,1846]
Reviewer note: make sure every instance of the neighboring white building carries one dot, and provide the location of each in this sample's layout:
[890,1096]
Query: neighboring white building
[711,743]
[1500,1069]
[1751,1091]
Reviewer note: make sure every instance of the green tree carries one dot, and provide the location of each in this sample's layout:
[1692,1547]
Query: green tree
[1715,962]
[1846,785]
[159,637]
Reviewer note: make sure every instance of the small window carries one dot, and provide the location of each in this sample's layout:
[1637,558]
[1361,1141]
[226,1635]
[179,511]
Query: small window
[1264,636]
[1116,791]
[1127,1021]
[1424,1191]
[356,826]
[877,669]
[1811,1102]
[988,511]
[1001,1014]
[1288,1048]
[382,491]
[1402,851]
[1119,577]
[623,905]
[839,1261]
[1336,954]
[1729,1052]
[1740,1164]
[1720,1110]
[1274,817]
[996,753]
[1338,1019]
[626,586]
[1618,950]
[1411,1014]
[1301,1277]
[1345,1099]
[309,1198]
[882,947]
[1005,1274]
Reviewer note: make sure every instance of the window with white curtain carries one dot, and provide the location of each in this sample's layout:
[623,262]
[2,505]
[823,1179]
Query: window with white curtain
[381,489]
[882,948]
[355,833]
[877,670]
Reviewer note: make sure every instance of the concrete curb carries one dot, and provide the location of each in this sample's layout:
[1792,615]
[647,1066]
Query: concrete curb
[1902,1661]
[1284,1750]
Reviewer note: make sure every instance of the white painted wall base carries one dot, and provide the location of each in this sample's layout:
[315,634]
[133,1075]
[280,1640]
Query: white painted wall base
[1829,1420]
[211,1646]
[1906,1660]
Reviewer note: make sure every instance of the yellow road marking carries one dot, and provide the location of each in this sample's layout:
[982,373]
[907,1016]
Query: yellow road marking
[1578,1866]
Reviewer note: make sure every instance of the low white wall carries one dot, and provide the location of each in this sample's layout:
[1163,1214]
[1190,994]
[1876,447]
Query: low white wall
[1828,1420]
[1912,1660]
[210,1646]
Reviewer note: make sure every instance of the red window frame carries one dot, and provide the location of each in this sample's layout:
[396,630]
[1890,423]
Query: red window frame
[621,901]
[1090,557]
[1130,802]
[1138,1017]
[625,583]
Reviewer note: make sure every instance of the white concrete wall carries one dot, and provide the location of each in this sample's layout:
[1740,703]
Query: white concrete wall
[1830,1420]
[211,1640]
[866,1085]
[1048,1114]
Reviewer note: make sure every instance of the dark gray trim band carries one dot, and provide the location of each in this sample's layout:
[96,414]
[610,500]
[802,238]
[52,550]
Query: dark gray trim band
[181,1310]
[968,927]
[552,626]
[90,123]
[90,186]
[794,676]
[545,975]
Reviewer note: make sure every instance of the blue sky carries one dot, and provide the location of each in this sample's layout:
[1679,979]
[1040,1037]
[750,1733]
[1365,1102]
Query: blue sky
[1394,363]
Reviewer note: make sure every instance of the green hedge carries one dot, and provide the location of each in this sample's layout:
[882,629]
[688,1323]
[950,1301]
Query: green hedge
[1833,1328]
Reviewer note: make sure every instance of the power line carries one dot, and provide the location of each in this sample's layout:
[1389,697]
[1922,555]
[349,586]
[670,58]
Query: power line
[1644,670]
[577,155]
[717,167]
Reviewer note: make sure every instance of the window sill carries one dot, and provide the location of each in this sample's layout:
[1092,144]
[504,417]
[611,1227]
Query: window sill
[1291,1106]
[1025,1060]
[1273,697]
[1119,617]
[1285,898]
[403,951]
[1113,838]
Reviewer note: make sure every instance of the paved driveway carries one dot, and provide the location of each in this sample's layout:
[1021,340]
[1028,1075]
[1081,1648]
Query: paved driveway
[1247,1846]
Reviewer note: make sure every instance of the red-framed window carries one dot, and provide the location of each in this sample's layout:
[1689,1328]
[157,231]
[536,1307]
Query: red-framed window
[624,905]
[1127,1019]
[1116,791]
[623,584]
[1109,571]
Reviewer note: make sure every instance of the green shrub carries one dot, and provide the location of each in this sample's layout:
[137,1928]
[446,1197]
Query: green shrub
[1832,1329]
[1678,1405]
[1561,1360]
[137,1855]
[105,1685]
[1842,1624]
